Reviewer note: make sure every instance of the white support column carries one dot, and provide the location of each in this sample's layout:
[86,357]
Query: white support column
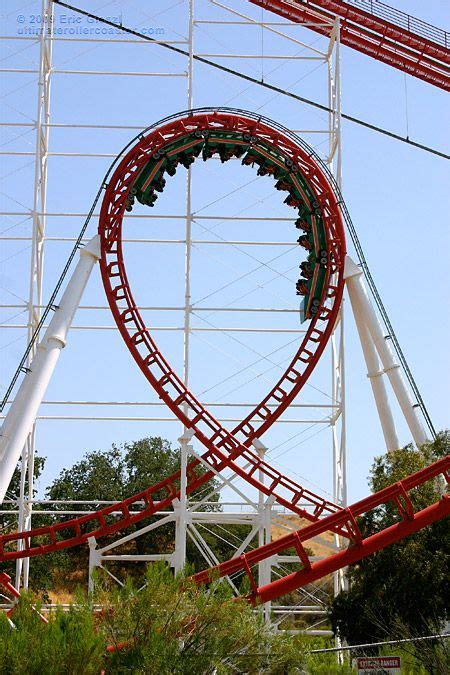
[267,571]
[375,375]
[339,443]
[22,413]
[264,530]
[363,309]
[338,394]
[94,561]
[182,518]
[188,232]
[337,107]
[338,420]
[179,558]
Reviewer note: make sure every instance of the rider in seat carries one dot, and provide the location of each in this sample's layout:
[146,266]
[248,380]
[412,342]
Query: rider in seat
[305,242]
[302,287]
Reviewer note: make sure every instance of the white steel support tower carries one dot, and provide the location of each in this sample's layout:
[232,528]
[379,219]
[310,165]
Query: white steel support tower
[262,510]
[35,298]
[338,429]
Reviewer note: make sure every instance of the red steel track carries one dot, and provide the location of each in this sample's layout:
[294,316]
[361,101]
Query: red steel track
[225,449]
[5,581]
[375,29]
[230,449]
[409,522]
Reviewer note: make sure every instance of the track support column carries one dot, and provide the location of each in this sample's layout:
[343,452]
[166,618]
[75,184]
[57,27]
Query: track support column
[23,411]
[338,419]
[264,531]
[374,369]
[181,520]
[372,337]
[37,261]
[94,561]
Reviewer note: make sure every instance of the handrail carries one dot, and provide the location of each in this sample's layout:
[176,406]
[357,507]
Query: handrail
[403,20]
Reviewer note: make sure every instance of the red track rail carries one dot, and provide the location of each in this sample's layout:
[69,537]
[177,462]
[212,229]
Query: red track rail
[359,548]
[409,522]
[225,449]
[377,30]
[5,581]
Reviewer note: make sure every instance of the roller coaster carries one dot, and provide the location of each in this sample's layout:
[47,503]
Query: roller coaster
[139,173]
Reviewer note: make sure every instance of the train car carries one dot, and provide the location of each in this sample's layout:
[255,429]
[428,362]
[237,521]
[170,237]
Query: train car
[253,151]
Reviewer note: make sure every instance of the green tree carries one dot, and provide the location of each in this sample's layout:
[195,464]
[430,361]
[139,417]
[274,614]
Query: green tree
[13,492]
[44,571]
[123,471]
[98,475]
[69,643]
[403,590]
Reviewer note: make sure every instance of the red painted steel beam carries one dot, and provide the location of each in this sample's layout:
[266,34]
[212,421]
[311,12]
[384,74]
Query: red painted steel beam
[355,553]
[5,581]
[358,549]
[372,35]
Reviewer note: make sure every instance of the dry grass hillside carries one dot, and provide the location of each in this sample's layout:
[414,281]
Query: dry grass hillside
[321,546]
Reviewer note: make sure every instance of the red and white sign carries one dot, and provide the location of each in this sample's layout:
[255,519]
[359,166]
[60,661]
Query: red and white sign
[377,665]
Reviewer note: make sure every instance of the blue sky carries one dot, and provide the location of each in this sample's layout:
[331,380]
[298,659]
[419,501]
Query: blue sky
[398,198]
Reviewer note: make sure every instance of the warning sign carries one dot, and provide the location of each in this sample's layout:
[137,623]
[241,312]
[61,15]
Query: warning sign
[378,665]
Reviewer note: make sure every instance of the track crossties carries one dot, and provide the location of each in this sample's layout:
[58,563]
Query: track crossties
[140,174]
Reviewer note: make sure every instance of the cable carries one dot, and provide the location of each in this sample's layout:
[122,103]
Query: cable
[376,644]
[254,80]
[51,304]
[391,334]
[248,367]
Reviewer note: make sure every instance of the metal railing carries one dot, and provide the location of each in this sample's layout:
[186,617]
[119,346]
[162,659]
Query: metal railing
[403,20]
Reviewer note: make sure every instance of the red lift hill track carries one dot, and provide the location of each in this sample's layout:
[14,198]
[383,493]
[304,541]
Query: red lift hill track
[378,30]
[140,173]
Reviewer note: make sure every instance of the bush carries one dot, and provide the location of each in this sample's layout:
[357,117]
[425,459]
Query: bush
[67,644]
[169,626]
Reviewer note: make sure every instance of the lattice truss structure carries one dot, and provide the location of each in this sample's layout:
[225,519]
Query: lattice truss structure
[214,264]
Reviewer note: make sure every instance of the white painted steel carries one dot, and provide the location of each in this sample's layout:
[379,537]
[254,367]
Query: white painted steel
[363,307]
[36,270]
[375,375]
[22,414]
